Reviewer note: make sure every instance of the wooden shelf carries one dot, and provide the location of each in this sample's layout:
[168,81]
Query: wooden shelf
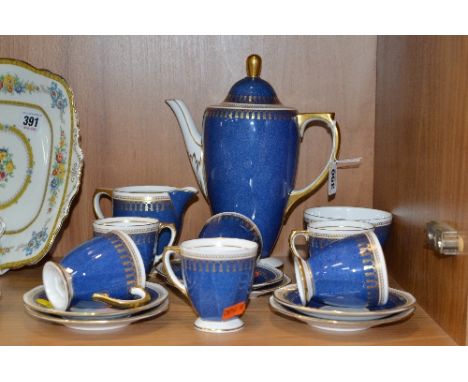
[175,327]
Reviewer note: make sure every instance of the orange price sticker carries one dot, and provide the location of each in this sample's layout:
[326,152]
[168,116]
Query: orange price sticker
[233,310]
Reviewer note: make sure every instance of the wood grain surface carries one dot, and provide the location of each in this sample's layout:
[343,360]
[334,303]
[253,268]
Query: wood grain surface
[175,327]
[130,137]
[421,166]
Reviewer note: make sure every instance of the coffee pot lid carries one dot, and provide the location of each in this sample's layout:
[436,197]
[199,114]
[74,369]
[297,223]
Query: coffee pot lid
[252,89]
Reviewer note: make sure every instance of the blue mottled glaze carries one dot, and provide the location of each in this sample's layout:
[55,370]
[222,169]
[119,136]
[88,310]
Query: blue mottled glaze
[166,211]
[379,219]
[261,274]
[252,90]
[251,166]
[347,272]
[214,286]
[145,243]
[382,232]
[103,264]
[233,225]
[394,301]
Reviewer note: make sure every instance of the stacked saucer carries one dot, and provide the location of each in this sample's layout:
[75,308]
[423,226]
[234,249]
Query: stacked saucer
[287,301]
[93,315]
[266,279]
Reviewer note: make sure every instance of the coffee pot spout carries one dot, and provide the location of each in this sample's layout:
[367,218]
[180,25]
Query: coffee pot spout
[193,140]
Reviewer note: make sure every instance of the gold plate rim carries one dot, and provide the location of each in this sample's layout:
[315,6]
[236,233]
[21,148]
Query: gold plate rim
[76,154]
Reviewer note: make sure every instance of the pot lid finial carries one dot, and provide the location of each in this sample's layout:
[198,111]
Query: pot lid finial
[253,89]
[254,65]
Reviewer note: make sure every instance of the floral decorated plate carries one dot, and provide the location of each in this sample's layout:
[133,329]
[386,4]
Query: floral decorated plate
[40,160]
[36,300]
[398,301]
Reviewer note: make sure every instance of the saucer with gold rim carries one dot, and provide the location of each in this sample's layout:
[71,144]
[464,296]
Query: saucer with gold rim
[335,325]
[398,301]
[36,300]
[271,288]
[99,324]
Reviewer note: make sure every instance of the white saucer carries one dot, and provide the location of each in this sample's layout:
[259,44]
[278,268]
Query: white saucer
[36,300]
[338,326]
[398,301]
[99,325]
[219,327]
[273,262]
[269,289]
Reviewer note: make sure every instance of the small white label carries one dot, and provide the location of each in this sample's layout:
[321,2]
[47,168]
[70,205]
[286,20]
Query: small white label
[332,178]
[30,120]
[346,163]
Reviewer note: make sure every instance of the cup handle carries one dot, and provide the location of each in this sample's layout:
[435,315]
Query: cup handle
[302,270]
[304,120]
[144,298]
[171,227]
[2,227]
[167,254]
[98,193]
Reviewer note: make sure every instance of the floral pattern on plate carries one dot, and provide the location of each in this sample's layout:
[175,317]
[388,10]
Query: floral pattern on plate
[11,83]
[58,170]
[7,167]
[41,160]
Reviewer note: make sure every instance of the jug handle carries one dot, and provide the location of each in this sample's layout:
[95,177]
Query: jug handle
[303,121]
[98,193]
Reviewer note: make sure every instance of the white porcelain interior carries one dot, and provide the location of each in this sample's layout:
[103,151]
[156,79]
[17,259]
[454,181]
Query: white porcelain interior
[304,280]
[219,248]
[56,286]
[151,191]
[126,224]
[341,228]
[370,215]
[272,262]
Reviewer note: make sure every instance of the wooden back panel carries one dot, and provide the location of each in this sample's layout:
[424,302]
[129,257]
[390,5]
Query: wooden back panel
[130,137]
[421,166]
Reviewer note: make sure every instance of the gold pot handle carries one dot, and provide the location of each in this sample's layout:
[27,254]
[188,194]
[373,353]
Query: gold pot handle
[167,254]
[144,298]
[303,121]
[98,193]
[301,268]
[171,227]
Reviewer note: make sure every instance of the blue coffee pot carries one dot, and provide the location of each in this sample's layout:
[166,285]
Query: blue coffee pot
[246,160]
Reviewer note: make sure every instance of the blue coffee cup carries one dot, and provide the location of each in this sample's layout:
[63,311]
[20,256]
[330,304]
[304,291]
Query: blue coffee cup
[143,231]
[380,220]
[107,268]
[345,267]
[232,225]
[167,204]
[217,279]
